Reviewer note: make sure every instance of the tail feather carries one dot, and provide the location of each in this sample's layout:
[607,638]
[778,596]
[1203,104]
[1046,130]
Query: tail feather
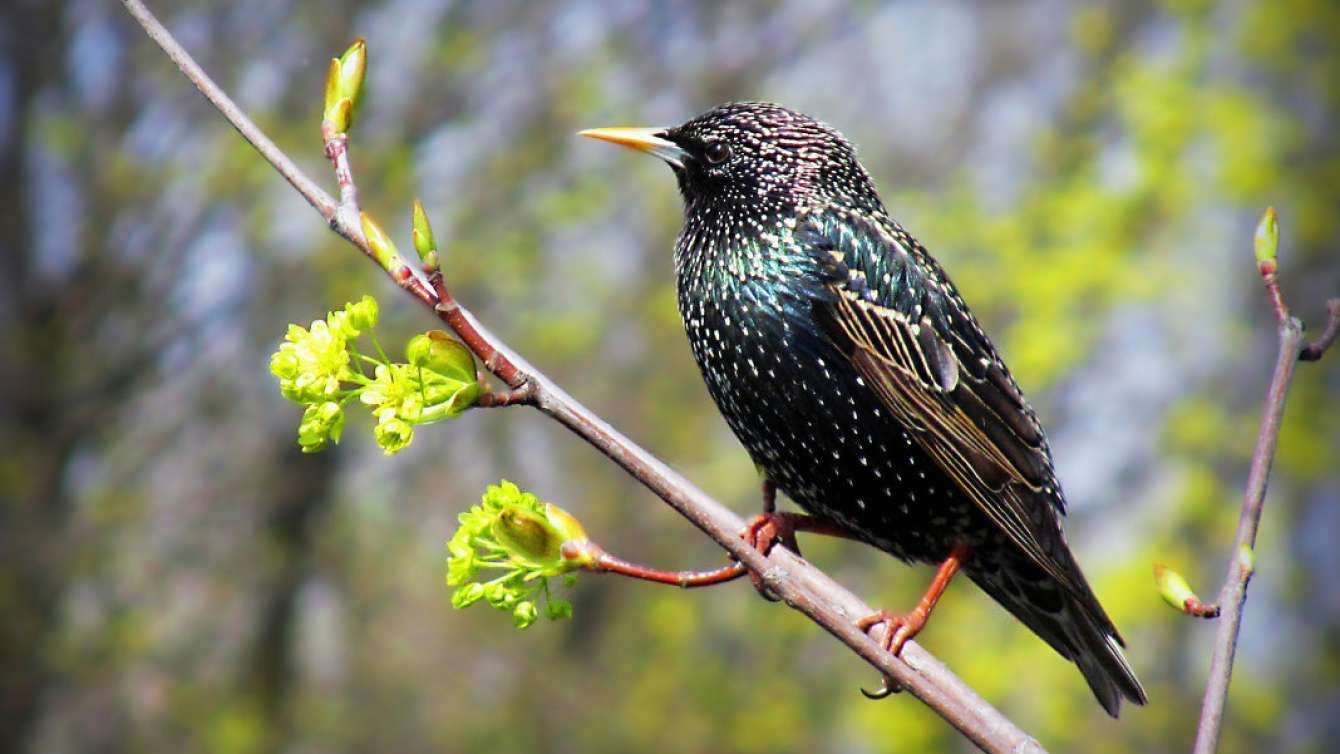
[1076,628]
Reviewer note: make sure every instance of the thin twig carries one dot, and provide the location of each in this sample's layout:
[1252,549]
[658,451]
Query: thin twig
[795,581]
[1317,348]
[608,563]
[1234,593]
[521,396]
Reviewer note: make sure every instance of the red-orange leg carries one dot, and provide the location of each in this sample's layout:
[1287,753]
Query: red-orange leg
[899,628]
[771,528]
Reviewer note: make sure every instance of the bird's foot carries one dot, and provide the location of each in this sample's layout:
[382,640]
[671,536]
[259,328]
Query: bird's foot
[897,630]
[765,531]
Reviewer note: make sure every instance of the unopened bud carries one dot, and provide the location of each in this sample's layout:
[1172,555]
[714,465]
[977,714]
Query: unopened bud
[1266,241]
[381,246]
[424,242]
[528,536]
[344,85]
[437,351]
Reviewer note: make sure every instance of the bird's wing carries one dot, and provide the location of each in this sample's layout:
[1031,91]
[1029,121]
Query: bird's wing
[911,337]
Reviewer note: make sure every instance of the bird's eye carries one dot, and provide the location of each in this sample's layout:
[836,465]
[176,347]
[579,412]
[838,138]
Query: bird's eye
[717,152]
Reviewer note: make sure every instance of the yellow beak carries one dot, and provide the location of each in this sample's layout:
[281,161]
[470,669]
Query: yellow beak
[649,140]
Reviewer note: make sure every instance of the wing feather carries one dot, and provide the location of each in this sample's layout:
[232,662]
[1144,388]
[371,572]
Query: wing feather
[926,358]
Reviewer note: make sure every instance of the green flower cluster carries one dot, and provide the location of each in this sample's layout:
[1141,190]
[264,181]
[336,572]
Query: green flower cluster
[514,532]
[321,368]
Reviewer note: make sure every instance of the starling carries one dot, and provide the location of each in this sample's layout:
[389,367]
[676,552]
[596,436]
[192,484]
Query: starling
[861,385]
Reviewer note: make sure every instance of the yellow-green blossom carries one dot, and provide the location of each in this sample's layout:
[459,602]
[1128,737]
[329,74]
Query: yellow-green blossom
[393,434]
[513,532]
[311,364]
[321,424]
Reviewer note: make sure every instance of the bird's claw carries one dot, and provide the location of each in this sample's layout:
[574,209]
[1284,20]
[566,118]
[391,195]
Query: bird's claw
[887,687]
[897,630]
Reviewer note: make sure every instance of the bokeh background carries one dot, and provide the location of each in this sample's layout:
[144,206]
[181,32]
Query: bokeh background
[176,577]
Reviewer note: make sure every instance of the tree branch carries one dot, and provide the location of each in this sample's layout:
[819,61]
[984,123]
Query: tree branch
[793,580]
[1234,593]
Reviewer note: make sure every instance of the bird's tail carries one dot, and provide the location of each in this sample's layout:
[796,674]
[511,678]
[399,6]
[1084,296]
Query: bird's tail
[1074,625]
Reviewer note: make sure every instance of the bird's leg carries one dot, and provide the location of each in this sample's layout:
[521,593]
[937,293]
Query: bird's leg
[770,528]
[899,628]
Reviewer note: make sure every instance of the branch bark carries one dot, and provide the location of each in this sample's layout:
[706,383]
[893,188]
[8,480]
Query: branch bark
[790,578]
[1233,595]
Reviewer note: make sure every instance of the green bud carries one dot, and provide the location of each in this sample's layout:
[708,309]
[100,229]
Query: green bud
[321,424]
[284,365]
[424,242]
[1246,559]
[344,85]
[500,594]
[362,313]
[1266,241]
[524,614]
[418,351]
[435,350]
[557,608]
[381,246]
[567,526]
[340,115]
[1173,588]
[353,66]
[528,537]
[329,107]
[467,595]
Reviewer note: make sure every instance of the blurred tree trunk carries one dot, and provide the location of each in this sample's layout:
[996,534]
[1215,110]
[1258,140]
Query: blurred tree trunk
[299,500]
[38,432]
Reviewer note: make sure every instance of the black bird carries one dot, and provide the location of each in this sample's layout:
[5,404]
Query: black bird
[860,383]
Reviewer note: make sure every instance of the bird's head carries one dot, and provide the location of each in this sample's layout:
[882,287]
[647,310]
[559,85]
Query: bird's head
[753,158]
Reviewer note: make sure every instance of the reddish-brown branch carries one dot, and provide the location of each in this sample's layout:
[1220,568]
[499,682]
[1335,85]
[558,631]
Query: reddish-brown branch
[608,563]
[1233,595]
[796,582]
[455,317]
[521,396]
[1197,609]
